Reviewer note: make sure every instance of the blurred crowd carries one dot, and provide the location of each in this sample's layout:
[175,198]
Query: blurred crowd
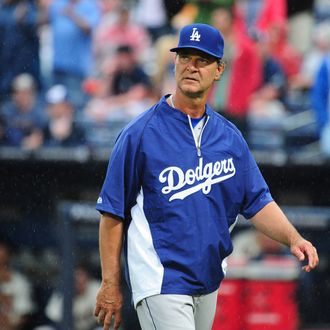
[27,304]
[71,70]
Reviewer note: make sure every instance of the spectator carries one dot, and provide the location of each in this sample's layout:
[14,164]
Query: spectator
[109,14]
[231,97]
[173,9]
[122,32]
[72,23]
[16,304]
[321,104]
[23,116]
[62,130]
[126,91]
[19,44]
[153,16]
[299,91]
[83,302]
[267,100]
[127,74]
[301,22]
[254,17]
[281,49]
[321,10]
[205,8]
[266,111]
[269,20]
[164,78]
[108,9]
[313,58]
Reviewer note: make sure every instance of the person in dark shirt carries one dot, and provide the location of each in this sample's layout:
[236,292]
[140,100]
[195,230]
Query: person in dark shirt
[274,80]
[23,115]
[128,73]
[126,89]
[19,43]
[62,130]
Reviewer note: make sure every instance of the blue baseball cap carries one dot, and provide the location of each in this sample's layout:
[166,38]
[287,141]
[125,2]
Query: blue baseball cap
[203,37]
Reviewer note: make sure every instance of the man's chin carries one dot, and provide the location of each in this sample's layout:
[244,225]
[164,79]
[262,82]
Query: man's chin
[188,89]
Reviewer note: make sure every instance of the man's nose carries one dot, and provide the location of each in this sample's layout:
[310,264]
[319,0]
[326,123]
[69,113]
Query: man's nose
[192,65]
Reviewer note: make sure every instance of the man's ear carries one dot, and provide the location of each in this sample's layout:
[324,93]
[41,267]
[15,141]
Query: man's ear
[220,70]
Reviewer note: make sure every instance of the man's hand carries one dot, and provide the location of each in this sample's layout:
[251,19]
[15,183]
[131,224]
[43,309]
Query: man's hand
[109,302]
[302,249]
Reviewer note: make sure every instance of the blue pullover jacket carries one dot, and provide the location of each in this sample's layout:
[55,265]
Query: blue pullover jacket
[179,199]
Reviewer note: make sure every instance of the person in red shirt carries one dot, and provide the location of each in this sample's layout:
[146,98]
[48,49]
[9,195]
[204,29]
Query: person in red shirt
[255,17]
[231,96]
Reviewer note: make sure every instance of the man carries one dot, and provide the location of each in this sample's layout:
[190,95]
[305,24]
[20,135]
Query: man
[85,290]
[230,97]
[177,178]
[23,114]
[16,302]
[62,129]
[72,23]
[19,40]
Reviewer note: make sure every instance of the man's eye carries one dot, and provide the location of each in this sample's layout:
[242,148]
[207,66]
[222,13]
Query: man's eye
[184,57]
[203,61]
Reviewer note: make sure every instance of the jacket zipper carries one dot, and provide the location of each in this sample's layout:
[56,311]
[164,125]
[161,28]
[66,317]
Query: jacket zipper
[199,140]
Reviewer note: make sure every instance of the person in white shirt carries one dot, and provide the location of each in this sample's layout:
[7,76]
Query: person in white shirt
[83,302]
[16,302]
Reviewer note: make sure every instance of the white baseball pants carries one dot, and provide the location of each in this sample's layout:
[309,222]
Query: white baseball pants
[177,312]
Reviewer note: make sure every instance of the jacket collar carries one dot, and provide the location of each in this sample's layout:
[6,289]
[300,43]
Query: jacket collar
[168,110]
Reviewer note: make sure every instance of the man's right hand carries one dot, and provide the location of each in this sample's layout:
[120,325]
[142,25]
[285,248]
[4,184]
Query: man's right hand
[109,302]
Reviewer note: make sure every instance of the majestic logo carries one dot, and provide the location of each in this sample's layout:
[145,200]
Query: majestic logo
[195,36]
[209,174]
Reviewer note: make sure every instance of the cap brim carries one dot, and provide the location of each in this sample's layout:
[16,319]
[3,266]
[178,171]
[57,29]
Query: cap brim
[176,49]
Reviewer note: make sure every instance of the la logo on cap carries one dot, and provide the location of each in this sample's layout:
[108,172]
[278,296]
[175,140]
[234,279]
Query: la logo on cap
[195,36]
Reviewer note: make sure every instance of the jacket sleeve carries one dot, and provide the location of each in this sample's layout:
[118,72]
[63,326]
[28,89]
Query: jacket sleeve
[122,181]
[256,191]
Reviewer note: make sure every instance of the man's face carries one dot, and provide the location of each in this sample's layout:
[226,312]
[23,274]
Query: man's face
[125,61]
[195,71]
[24,99]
